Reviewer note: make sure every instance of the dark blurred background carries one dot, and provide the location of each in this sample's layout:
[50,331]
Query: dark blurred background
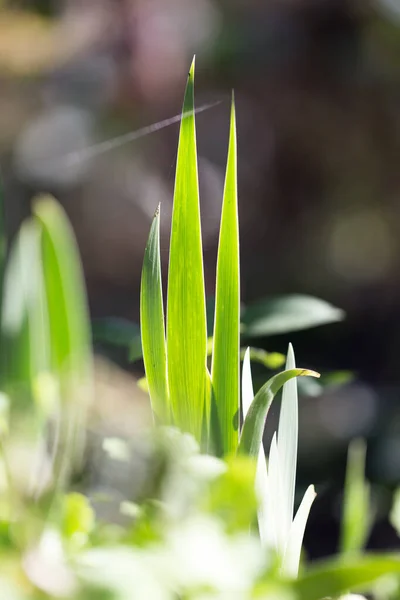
[317,86]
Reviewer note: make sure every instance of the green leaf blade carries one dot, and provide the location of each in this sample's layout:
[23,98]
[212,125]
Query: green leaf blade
[283,314]
[334,577]
[225,358]
[70,337]
[65,291]
[253,426]
[152,324]
[186,312]
[356,519]
[25,333]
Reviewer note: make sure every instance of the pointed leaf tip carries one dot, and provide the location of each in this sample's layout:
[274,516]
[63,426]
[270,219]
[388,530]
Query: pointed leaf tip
[192,68]
[309,373]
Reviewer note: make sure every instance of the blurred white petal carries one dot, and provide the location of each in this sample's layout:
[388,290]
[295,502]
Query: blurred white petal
[264,514]
[46,567]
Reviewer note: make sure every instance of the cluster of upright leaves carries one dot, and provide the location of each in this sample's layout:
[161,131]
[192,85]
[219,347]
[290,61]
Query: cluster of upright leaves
[45,372]
[182,390]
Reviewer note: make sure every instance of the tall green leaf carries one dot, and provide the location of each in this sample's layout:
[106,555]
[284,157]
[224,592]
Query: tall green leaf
[69,330]
[24,323]
[253,427]
[65,290]
[152,324]
[225,358]
[186,313]
[356,520]
[280,314]
[334,577]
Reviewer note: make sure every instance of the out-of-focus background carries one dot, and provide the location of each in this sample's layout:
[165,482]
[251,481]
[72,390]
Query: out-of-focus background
[317,87]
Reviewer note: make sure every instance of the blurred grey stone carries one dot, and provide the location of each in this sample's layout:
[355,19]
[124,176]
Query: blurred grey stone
[44,151]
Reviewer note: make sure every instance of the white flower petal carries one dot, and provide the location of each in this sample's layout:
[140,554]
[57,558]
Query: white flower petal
[290,565]
[287,443]
[264,515]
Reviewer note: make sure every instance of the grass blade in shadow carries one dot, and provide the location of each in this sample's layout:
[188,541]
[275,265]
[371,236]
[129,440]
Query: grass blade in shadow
[152,324]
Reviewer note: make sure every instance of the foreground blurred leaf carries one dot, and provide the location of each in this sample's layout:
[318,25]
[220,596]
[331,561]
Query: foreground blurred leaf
[78,518]
[11,592]
[232,495]
[334,577]
[282,314]
[24,320]
[356,519]
[152,325]
[253,427]
[186,313]
[66,297]
[69,329]
[225,358]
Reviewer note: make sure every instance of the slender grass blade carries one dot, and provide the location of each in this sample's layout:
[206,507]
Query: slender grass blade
[69,330]
[152,324]
[186,313]
[225,358]
[25,333]
[356,519]
[67,306]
